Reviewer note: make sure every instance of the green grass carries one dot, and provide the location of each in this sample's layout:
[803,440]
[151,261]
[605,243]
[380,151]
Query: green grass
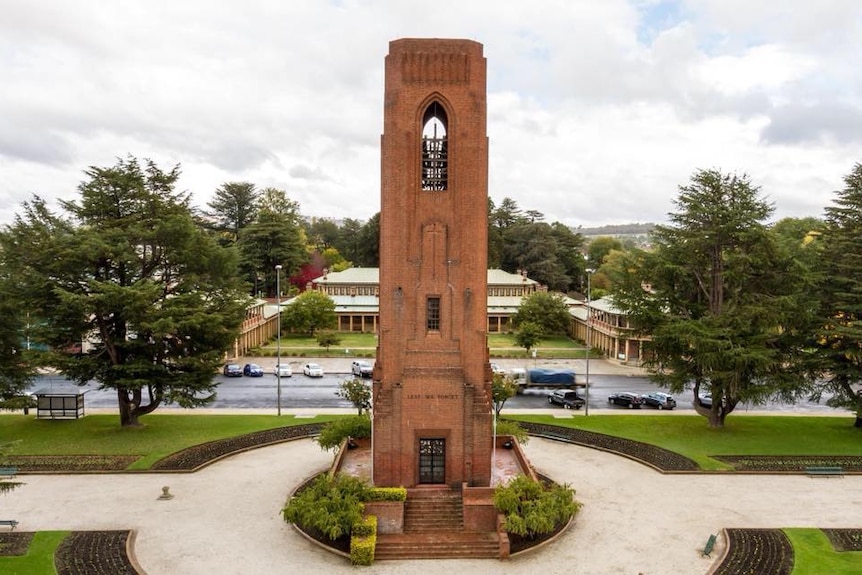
[689,435]
[161,434]
[814,555]
[365,345]
[39,559]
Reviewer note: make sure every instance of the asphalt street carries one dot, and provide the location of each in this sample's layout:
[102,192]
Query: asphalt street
[300,391]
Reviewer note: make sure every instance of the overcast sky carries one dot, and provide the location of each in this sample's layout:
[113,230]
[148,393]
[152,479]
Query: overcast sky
[597,110]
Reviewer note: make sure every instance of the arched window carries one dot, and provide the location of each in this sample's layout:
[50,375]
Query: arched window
[435,152]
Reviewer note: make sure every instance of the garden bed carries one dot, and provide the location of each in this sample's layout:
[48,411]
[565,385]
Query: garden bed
[94,553]
[844,539]
[657,457]
[760,551]
[14,544]
[790,463]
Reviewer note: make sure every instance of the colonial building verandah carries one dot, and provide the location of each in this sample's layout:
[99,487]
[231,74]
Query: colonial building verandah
[355,292]
[610,330]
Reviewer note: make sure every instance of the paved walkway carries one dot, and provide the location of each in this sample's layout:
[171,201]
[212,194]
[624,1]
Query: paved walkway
[226,518]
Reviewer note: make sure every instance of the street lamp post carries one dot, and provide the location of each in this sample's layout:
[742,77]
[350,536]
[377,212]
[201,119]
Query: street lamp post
[589,343]
[278,336]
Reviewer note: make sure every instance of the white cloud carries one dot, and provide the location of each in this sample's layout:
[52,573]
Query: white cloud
[597,110]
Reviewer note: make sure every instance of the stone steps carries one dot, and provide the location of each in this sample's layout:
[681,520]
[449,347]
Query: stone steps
[438,545]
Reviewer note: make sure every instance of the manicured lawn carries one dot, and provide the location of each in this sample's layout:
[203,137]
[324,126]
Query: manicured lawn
[742,435]
[814,555]
[365,345]
[39,559]
[161,435]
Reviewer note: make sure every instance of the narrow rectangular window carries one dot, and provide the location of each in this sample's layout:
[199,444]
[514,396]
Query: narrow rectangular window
[432,308]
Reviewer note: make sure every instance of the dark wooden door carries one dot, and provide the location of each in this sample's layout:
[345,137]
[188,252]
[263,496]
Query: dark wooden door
[432,460]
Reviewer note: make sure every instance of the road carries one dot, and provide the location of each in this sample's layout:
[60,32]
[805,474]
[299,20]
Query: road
[300,391]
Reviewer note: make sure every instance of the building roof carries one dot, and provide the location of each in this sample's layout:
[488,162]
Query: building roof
[371,276]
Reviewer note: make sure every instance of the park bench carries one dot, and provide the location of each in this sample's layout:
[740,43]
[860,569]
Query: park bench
[8,471]
[710,543]
[10,523]
[825,471]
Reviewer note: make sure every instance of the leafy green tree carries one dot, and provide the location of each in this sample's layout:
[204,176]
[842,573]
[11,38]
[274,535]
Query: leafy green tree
[599,249]
[533,246]
[16,371]
[356,392]
[368,249]
[276,238]
[328,339]
[126,269]
[528,335]
[308,312]
[570,247]
[234,206]
[839,340]
[723,305]
[546,310]
[348,242]
[503,387]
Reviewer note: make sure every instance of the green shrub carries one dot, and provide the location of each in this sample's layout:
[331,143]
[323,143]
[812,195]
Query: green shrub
[329,505]
[335,432]
[365,527]
[513,428]
[363,541]
[387,494]
[533,509]
[362,549]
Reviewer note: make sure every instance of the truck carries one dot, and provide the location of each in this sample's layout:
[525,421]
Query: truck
[551,378]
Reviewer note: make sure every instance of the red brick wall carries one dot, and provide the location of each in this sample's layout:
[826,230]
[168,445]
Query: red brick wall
[433,243]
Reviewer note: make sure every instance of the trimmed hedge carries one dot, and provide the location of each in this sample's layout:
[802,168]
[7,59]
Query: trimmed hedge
[363,541]
[387,494]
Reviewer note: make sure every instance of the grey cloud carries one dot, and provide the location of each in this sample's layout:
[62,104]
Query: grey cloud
[798,124]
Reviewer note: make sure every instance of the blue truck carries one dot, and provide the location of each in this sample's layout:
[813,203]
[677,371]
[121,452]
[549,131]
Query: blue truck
[543,377]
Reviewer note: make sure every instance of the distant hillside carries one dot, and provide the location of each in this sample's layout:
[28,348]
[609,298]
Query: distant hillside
[616,230]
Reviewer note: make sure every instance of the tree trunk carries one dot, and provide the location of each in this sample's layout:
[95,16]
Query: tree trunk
[128,409]
[858,421]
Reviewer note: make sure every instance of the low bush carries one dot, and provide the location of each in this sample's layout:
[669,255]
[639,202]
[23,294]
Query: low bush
[333,433]
[363,541]
[513,428]
[330,506]
[533,509]
[387,494]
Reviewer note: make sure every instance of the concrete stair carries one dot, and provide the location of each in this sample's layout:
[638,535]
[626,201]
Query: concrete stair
[433,529]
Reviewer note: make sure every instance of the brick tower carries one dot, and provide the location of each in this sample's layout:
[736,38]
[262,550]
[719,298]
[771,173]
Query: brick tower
[432,391]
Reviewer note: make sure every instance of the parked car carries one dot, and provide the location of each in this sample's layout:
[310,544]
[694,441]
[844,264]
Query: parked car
[659,399]
[284,368]
[232,370]
[361,368]
[312,370]
[567,398]
[706,400]
[495,368]
[626,399]
[252,370]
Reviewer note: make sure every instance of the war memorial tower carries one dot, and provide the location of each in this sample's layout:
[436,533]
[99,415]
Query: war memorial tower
[432,392]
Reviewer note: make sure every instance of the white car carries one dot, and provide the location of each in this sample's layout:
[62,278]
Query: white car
[312,370]
[282,369]
[495,368]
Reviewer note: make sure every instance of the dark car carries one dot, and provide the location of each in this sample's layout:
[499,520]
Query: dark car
[252,370]
[361,368]
[659,399]
[232,370]
[626,399]
[567,398]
